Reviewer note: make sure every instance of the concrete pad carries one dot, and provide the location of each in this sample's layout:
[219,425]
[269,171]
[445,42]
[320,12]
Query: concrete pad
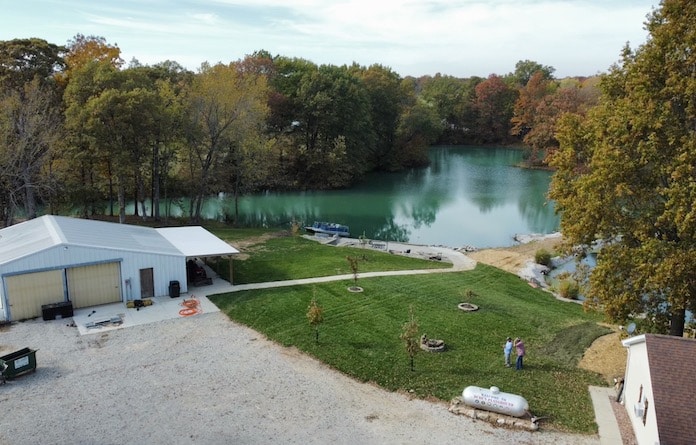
[105,317]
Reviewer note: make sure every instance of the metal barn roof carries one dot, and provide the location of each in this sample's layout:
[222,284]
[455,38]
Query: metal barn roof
[196,241]
[23,239]
[47,231]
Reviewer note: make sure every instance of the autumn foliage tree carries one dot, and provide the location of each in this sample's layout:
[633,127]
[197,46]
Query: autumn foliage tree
[315,317]
[494,105]
[226,107]
[541,103]
[82,50]
[625,177]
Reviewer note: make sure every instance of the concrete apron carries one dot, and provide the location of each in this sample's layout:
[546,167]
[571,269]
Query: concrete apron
[107,317]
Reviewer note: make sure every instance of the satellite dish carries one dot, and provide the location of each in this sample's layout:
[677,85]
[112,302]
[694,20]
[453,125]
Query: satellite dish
[631,328]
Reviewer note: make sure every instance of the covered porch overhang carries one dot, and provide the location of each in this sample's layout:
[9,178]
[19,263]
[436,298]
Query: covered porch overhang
[197,242]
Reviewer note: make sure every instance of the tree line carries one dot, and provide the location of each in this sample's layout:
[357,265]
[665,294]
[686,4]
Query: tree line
[79,128]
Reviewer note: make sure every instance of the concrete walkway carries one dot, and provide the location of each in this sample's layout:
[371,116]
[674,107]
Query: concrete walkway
[609,432]
[460,262]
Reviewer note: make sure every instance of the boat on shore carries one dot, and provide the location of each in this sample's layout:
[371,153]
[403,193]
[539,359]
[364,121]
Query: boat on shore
[328,228]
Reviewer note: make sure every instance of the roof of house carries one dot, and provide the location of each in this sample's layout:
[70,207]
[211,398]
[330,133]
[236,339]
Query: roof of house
[672,361]
[38,234]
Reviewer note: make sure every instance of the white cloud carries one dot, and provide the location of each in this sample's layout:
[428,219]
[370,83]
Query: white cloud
[414,37]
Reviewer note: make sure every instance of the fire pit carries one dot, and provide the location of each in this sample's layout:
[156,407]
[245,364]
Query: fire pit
[467,307]
[431,345]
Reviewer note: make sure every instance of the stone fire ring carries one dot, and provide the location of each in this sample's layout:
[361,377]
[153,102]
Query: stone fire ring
[438,346]
[467,307]
[355,289]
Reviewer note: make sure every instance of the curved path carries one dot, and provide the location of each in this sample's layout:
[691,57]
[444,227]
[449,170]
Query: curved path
[459,261]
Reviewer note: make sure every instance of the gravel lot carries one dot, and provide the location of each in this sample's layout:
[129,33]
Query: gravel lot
[207,380]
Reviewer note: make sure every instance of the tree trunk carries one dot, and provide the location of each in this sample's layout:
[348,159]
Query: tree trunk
[676,325]
[236,201]
[111,190]
[29,195]
[121,201]
[140,194]
[30,200]
[197,204]
[136,200]
[155,211]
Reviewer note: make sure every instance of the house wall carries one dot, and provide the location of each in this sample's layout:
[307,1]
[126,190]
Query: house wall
[165,267]
[637,376]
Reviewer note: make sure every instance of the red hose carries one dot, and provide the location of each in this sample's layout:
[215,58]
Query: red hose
[191,307]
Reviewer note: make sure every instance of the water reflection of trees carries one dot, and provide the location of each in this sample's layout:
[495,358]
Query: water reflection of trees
[533,203]
[393,232]
[470,183]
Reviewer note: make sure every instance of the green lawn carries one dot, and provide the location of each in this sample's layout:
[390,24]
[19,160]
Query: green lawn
[360,332]
[293,257]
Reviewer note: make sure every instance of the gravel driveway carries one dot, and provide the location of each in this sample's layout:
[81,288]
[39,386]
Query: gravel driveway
[207,380]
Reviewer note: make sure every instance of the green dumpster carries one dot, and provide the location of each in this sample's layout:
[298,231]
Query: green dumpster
[18,363]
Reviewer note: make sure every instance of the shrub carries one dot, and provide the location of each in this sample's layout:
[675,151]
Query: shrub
[568,289]
[295,227]
[543,257]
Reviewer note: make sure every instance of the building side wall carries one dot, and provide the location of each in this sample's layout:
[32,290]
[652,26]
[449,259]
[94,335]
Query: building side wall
[166,268]
[638,389]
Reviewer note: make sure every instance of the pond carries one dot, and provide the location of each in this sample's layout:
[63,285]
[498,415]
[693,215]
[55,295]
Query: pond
[468,196]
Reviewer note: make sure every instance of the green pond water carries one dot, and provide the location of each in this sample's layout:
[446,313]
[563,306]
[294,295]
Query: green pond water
[468,196]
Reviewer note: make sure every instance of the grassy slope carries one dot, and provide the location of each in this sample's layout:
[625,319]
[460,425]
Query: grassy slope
[360,332]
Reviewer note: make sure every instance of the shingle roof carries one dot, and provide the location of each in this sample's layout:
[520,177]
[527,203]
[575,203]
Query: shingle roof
[672,362]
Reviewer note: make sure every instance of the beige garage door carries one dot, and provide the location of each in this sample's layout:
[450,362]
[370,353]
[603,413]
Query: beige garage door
[28,292]
[94,285]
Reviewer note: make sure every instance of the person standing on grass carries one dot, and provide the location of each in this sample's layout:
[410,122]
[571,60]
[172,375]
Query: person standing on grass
[507,350]
[519,346]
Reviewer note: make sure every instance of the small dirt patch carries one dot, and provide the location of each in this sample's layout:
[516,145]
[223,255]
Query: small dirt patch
[512,259]
[252,244]
[606,356]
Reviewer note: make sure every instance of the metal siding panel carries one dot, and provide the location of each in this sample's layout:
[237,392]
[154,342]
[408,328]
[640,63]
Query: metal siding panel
[61,257]
[27,293]
[166,267]
[94,285]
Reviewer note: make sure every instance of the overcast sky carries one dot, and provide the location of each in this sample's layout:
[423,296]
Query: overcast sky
[461,38]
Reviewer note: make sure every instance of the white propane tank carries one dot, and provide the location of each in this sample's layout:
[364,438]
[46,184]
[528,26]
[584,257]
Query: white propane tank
[496,401]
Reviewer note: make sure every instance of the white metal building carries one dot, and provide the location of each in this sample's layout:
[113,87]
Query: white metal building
[55,259]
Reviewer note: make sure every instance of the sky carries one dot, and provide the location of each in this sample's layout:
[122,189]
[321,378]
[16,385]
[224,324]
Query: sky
[461,38]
